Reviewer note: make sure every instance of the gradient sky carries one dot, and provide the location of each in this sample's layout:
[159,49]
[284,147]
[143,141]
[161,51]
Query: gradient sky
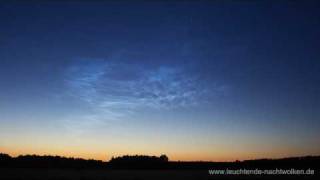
[224,80]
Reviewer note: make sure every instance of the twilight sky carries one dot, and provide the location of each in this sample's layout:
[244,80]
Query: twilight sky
[196,81]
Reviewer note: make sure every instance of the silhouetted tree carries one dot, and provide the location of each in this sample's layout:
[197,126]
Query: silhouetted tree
[5,159]
[4,156]
[139,161]
[48,162]
[164,158]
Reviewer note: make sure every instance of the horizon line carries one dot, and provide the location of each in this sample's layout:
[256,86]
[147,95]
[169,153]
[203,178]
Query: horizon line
[208,161]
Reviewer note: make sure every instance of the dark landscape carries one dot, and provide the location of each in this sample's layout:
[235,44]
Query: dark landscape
[145,167]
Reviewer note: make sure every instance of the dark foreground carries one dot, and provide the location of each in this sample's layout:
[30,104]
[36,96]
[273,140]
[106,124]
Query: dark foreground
[140,167]
[106,174]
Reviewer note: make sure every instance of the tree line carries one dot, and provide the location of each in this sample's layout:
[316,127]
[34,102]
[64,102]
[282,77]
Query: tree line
[153,162]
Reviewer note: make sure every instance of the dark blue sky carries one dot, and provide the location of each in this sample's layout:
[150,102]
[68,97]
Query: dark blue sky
[193,80]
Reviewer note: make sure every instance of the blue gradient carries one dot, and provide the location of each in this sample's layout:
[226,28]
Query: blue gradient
[198,81]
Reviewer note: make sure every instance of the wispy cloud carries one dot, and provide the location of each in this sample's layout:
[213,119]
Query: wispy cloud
[115,90]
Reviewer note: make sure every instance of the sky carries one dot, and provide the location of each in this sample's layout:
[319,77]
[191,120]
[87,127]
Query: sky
[211,81]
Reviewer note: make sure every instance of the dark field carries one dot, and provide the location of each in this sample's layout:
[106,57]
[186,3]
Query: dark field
[25,173]
[103,174]
[146,167]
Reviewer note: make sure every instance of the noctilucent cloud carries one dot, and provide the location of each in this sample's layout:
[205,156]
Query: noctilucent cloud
[193,80]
